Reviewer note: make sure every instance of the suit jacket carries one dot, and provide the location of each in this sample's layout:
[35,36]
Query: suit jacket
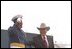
[38,41]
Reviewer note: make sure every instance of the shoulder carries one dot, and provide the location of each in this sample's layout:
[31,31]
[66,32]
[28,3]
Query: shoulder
[50,37]
[37,37]
[9,29]
[22,31]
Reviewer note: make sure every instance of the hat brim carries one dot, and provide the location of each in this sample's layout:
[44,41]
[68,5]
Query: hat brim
[48,28]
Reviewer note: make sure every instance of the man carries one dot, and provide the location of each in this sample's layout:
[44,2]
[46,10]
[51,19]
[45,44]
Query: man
[17,37]
[42,40]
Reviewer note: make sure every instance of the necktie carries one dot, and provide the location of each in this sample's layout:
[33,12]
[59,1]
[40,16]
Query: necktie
[44,42]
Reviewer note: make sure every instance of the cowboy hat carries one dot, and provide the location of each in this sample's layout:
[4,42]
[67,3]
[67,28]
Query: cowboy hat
[16,17]
[43,26]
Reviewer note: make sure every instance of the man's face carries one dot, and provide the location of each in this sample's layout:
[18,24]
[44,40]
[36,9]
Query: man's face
[19,23]
[43,31]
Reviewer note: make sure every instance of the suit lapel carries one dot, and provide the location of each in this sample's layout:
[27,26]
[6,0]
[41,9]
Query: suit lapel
[40,41]
[49,41]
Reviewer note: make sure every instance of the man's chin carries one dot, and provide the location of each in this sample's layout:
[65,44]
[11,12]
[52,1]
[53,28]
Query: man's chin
[43,34]
[20,27]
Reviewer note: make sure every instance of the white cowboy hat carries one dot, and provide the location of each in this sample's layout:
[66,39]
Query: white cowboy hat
[43,25]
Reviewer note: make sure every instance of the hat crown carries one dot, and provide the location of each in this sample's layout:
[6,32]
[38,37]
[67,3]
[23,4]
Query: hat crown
[43,25]
[16,17]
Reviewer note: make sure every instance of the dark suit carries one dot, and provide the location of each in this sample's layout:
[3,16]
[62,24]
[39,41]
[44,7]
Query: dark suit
[38,41]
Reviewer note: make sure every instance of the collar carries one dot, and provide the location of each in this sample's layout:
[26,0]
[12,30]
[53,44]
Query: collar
[43,36]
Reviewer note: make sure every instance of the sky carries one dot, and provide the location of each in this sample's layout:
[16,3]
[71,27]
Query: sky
[56,14]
